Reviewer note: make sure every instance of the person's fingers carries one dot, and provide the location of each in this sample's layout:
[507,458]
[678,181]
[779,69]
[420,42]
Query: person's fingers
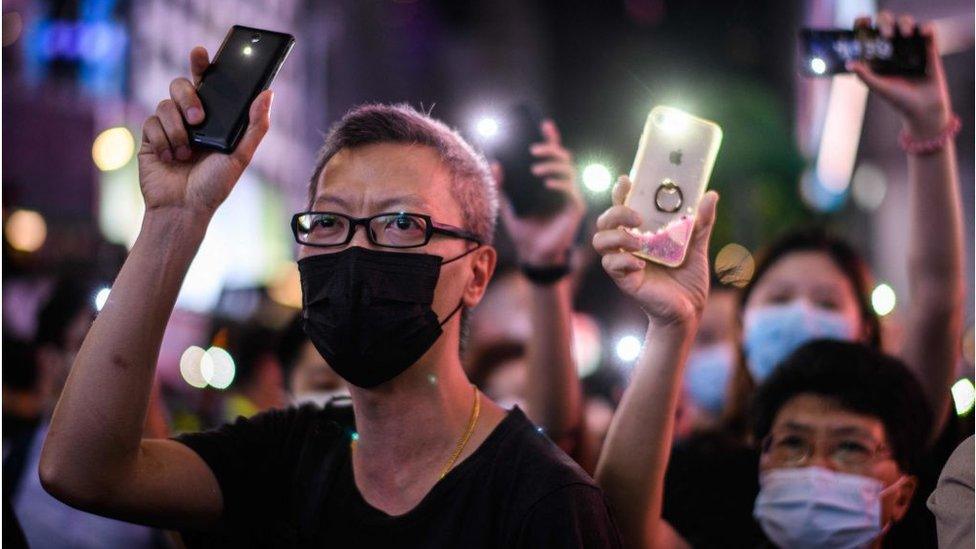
[552,151]
[934,59]
[706,214]
[886,24]
[199,61]
[614,240]
[620,190]
[184,94]
[871,79]
[154,136]
[172,121]
[862,22]
[621,264]
[618,216]
[554,169]
[906,25]
[259,121]
[550,132]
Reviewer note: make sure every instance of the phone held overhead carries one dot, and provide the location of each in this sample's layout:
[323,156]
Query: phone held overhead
[674,162]
[245,65]
[527,193]
[825,52]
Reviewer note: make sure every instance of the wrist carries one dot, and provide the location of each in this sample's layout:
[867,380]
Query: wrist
[176,225]
[678,326]
[928,124]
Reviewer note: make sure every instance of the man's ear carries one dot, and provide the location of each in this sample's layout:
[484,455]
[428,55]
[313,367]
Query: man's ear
[482,267]
[903,497]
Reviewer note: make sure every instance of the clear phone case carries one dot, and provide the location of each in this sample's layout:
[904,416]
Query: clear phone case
[674,161]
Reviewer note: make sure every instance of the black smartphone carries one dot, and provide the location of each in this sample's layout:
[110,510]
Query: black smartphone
[245,65]
[826,51]
[527,193]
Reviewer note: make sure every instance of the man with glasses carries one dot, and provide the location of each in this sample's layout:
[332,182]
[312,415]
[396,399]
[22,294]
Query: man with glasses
[396,240]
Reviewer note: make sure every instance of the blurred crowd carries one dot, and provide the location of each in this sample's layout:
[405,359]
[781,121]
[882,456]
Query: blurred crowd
[769,414]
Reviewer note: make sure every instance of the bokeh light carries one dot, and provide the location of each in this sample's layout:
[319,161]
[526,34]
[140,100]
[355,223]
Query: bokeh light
[734,265]
[101,297]
[25,230]
[628,348]
[883,299]
[868,186]
[487,127]
[597,178]
[219,371]
[113,148]
[191,368]
[818,65]
[964,396]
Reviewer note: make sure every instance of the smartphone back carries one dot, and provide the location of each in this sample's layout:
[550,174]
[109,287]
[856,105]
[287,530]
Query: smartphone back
[243,67]
[526,192]
[674,162]
[826,51]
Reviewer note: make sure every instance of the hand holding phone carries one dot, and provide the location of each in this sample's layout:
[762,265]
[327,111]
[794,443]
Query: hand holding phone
[177,180]
[525,190]
[826,52]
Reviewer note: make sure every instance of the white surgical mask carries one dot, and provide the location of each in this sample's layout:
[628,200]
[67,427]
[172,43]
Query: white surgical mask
[707,375]
[813,507]
[773,332]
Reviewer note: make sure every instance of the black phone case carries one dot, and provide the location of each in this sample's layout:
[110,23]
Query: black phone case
[907,53]
[204,134]
[527,193]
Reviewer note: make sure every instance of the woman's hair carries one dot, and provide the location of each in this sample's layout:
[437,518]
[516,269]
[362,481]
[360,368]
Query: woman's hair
[853,267]
[859,379]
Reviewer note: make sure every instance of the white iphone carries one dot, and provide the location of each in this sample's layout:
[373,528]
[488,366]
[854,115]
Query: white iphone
[674,162]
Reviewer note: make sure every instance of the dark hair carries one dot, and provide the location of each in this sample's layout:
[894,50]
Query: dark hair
[847,259]
[248,344]
[474,188]
[71,297]
[859,379]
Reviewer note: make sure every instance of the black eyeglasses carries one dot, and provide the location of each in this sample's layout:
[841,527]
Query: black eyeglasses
[388,230]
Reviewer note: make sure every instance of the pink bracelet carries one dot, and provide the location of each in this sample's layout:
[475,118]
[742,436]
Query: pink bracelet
[928,146]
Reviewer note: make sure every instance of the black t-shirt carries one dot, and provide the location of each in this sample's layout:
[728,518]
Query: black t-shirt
[286,479]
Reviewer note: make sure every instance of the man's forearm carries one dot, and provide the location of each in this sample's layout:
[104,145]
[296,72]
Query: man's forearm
[635,456]
[98,422]
[553,393]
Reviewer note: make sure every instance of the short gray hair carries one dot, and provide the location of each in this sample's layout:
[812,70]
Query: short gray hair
[473,186]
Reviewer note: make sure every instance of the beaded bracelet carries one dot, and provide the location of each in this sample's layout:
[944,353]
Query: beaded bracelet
[928,146]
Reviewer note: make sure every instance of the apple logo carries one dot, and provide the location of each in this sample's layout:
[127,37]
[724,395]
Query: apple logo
[675,157]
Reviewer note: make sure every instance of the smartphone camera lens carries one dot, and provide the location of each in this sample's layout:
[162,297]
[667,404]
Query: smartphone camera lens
[255,38]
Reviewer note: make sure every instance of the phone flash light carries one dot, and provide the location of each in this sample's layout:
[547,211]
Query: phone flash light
[247,50]
[818,65]
[674,122]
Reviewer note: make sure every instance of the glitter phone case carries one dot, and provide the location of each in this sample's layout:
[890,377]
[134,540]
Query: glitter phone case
[674,161]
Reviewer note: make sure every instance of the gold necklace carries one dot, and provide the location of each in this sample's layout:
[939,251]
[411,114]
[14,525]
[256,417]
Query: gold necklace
[461,443]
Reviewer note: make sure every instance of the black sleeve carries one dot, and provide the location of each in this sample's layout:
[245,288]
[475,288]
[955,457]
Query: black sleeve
[576,515]
[248,460]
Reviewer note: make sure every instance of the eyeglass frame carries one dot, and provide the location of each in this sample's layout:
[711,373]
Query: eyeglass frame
[881,451]
[432,228]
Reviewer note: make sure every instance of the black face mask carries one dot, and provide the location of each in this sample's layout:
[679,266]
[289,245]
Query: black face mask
[368,312]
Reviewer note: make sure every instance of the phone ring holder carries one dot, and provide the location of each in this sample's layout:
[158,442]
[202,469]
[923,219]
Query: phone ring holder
[668,197]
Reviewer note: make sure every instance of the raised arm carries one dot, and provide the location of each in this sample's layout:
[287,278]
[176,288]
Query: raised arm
[94,457]
[635,455]
[935,313]
[553,394]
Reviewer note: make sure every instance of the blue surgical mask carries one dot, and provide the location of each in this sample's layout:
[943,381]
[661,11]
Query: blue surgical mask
[707,375]
[813,507]
[772,332]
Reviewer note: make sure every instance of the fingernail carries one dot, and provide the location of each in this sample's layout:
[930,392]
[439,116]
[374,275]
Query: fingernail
[167,156]
[194,115]
[270,100]
[183,152]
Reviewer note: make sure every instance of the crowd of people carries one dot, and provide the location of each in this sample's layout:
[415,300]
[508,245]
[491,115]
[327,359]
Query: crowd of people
[384,414]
